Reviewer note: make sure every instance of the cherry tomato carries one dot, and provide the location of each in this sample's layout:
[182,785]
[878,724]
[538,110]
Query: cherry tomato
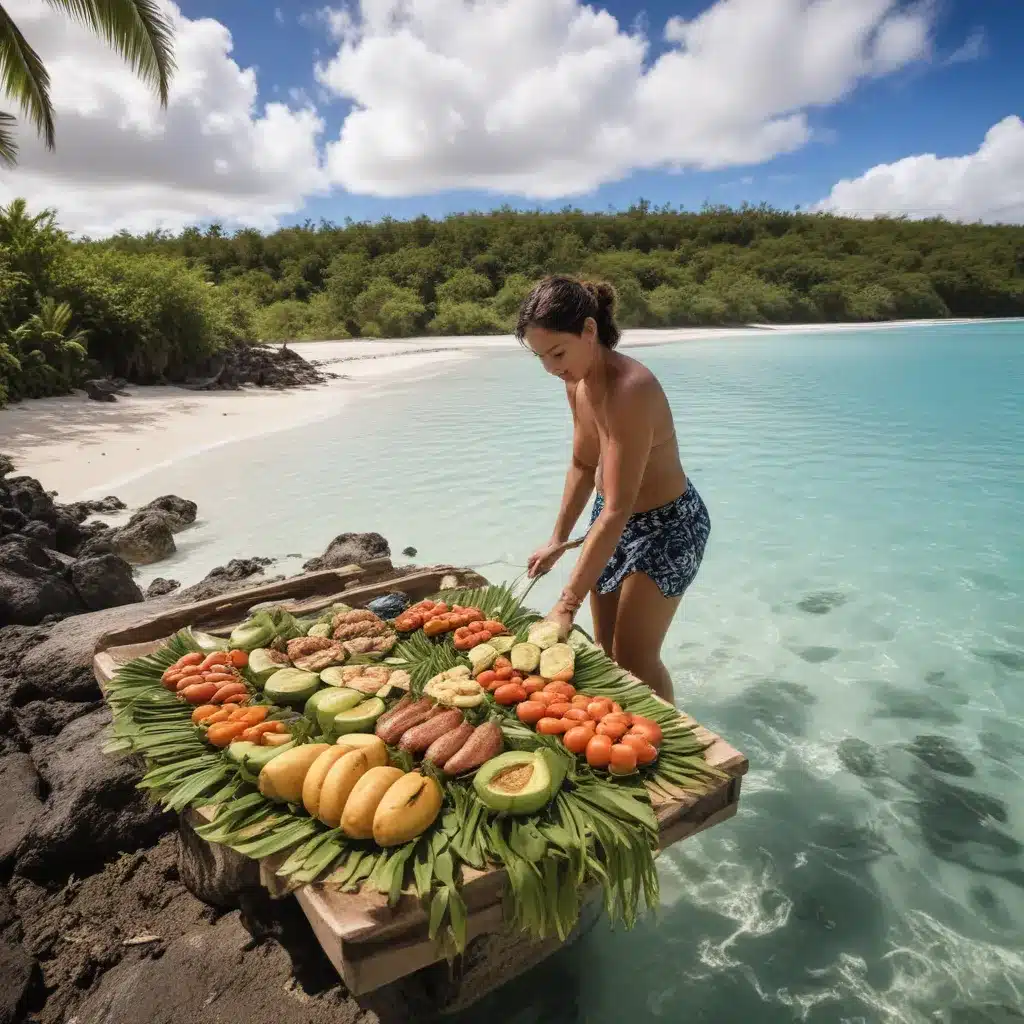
[530,712]
[599,751]
[645,752]
[623,760]
[576,740]
[510,693]
[552,726]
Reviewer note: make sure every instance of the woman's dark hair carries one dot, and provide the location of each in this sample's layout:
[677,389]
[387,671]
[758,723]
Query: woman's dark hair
[563,303]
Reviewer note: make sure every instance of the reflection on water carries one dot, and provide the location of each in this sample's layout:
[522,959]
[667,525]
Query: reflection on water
[856,630]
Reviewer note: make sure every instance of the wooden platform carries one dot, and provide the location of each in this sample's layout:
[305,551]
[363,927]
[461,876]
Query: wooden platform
[370,944]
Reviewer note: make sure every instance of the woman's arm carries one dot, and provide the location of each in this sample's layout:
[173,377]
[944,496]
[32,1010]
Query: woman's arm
[630,435]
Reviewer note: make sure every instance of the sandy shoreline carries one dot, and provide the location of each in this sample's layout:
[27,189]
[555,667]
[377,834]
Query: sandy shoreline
[84,449]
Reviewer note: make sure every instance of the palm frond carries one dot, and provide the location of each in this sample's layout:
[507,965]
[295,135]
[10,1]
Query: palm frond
[8,142]
[135,29]
[24,78]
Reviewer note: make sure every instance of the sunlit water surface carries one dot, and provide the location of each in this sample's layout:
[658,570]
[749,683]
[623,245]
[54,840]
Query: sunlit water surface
[857,630]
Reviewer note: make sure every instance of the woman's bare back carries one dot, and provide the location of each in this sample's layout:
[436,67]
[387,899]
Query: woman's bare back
[664,478]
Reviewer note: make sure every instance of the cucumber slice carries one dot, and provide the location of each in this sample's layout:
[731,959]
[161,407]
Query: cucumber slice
[332,676]
[291,686]
[358,719]
[329,702]
[262,665]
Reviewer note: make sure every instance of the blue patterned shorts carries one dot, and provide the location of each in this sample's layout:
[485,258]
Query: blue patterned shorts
[666,543]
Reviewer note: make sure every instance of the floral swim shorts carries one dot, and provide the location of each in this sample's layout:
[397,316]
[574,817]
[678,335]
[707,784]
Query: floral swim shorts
[665,543]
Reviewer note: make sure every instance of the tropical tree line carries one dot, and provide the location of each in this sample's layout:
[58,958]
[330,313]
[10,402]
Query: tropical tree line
[155,307]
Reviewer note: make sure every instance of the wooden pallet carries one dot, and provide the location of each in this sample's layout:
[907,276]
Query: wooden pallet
[369,943]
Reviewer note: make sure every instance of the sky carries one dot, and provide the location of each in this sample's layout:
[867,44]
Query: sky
[282,111]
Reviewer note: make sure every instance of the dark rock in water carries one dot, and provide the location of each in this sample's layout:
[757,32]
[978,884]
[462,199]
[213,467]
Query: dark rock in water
[20,804]
[822,602]
[389,606]
[104,581]
[32,585]
[1008,659]
[349,549]
[409,552]
[860,758]
[93,809]
[20,977]
[178,512]
[145,540]
[818,655]
[941,755]
[225,578]
[161,587]
[81,510]
[29,498]
[900,703]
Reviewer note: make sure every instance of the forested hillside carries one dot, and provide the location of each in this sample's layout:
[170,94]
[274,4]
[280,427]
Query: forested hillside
[154,307]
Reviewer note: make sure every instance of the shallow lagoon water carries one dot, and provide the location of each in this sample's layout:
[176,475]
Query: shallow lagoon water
[857,629]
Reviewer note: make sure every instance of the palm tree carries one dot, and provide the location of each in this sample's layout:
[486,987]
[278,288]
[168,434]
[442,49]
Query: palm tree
[136,29]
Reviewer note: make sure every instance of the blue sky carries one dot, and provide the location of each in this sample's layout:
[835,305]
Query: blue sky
[940,106]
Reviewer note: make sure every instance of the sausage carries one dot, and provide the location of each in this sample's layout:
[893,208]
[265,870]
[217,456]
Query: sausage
[448,745]
[391,731]
[485,743]
[419,738]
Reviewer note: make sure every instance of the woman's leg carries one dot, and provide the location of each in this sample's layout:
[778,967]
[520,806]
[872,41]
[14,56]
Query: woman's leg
[641,621]
[603,607]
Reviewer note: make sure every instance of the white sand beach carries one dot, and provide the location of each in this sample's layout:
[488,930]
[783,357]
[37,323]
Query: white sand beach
[83,448]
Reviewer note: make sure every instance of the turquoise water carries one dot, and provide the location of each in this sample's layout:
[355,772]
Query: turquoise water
[857,630]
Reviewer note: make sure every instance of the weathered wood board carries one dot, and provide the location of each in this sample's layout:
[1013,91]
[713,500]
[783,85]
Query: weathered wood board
[369,943]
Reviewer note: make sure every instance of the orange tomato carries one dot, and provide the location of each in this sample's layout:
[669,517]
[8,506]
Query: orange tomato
[253,716]
[650,731]
[616,730]
[645,752]
[567,690]
[564,676]
[216,658]
[599,751]
[533,684]
[238,658]
[557,708]
[597,709]
[501,662]
[486,678]
[623,760]
[200,693]
[616,709]
[577,715]
[195,658]
[204,711]
[581,700]
[504,674]
[539,696]
[613,716]
[576,740]
[530,712]
[510,693]
[552,726]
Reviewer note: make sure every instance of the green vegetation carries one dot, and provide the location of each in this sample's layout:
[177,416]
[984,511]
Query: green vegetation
[135,29]
[157,307]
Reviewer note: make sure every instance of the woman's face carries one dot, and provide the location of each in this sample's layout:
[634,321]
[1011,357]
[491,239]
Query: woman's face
[562,353]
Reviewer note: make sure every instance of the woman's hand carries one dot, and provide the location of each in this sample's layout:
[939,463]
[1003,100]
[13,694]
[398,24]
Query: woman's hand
[544,558]
[563,618]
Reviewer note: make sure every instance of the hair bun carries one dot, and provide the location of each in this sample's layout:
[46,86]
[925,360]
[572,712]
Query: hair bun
[603,293]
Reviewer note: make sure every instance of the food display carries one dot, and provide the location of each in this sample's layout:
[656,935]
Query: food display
[363,752]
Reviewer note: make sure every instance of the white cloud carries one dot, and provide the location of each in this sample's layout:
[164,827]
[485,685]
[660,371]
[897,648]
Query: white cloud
[974,47]
[122,162]
[987,185]
[547,98]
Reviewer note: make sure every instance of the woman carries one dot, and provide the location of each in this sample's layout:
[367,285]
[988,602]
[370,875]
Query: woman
[649,526]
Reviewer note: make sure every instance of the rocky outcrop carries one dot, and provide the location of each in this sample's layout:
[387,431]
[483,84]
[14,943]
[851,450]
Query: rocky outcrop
[266,366]
[236,574]
[161,588]
[104,581]
[142,541]
[177,513]
[349,548]
[103,389]
[32,583]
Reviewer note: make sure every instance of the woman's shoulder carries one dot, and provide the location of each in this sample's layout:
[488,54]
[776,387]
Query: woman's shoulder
[635,379]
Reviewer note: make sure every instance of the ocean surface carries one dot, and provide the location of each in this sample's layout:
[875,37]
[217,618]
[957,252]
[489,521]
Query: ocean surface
[857,630]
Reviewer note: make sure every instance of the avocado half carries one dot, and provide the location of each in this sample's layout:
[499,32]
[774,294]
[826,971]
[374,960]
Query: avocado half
[519,781]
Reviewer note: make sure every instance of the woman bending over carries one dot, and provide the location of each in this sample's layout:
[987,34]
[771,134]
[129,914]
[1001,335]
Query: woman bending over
[649,526]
